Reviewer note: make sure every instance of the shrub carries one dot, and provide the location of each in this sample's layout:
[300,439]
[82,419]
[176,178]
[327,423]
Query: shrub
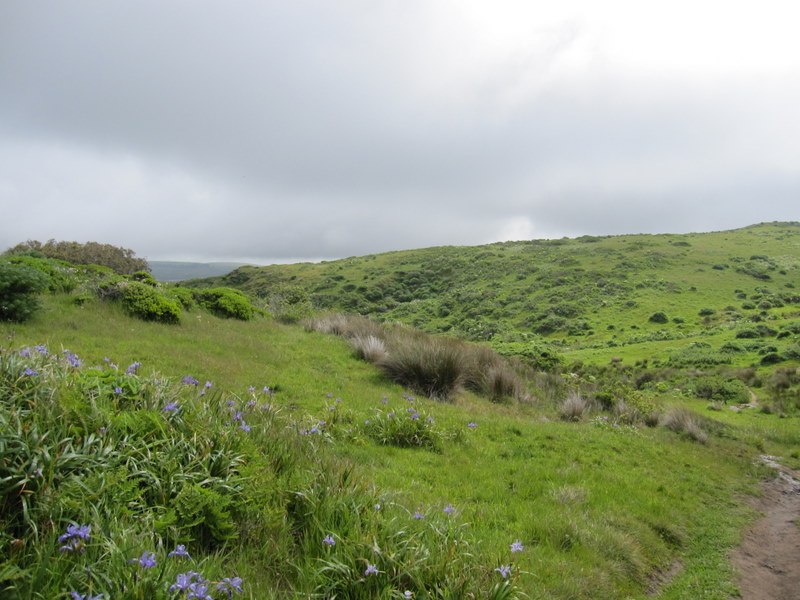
[19,286]
[145,302]
[289,303]
[183,295]
[698,354]
[62,276]
[658,317]
[704,312]
[145,277]
[747,334]
[122,260]
[771,358]
[226,303]
[717,388]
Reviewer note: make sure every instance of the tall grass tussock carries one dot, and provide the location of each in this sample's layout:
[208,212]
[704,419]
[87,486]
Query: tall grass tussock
[435,366]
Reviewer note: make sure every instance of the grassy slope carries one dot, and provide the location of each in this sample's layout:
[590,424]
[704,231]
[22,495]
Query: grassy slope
[599,509]
[592,297]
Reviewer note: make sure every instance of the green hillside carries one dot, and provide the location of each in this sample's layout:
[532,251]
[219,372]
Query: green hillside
[591,298]
[618,468]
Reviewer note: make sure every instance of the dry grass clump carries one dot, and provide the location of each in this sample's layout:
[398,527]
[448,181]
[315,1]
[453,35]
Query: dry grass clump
[369,348]
[435,366]
[573,407]
[493,376]
[682,420]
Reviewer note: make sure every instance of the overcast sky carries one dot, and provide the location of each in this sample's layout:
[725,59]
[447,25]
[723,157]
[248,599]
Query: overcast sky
[271,131]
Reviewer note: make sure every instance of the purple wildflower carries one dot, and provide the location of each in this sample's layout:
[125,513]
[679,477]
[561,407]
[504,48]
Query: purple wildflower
[171,407]
[266,389]
[504,570]
[418,515]
[415,416]
[72,359]
[517,546]
[199,591]
[41,349]
[208,385]
[407,595]
[26,352]
[472,424]
[371,570]
[74,538]
[77,596]
[28,372]
[328,540]
[329,395]
[390,415]
[449,509]
[147,560]
[133,367]
[118,390]
[189,380]
[244,427]
[384,400]
[251,389]
[184,581]
[230,585]
[430,419]
[180,552]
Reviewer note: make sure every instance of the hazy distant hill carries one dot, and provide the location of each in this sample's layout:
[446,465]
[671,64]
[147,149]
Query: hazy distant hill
[165,270]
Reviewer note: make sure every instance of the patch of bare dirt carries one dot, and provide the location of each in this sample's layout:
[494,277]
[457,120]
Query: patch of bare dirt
[768,561]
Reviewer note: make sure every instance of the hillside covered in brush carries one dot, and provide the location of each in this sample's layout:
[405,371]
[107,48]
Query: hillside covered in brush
[638,297]
[611,461]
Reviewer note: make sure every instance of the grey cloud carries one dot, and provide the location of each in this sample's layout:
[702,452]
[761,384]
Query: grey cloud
[321,130]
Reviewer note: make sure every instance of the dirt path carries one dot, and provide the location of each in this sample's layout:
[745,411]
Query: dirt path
[768,561]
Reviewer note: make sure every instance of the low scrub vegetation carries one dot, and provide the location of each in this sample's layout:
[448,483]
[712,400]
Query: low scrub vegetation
[437,367]
[121,486]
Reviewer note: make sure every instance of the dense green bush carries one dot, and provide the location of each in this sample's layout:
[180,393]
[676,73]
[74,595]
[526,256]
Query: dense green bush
[183,295]
[226,302]
[62,276]
[19,285]
[145,302]
[289,304]
[145,277]
[122,260]
[721,389]
[698,354]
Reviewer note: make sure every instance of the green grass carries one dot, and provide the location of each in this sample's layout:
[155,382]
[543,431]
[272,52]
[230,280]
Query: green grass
[599,509]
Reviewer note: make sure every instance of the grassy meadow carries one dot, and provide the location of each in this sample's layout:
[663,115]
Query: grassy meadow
[264,458]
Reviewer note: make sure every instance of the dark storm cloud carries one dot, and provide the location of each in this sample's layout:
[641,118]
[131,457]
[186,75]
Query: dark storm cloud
[317,129]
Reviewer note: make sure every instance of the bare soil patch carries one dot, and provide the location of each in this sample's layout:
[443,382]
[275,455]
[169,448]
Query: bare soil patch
[768,561]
